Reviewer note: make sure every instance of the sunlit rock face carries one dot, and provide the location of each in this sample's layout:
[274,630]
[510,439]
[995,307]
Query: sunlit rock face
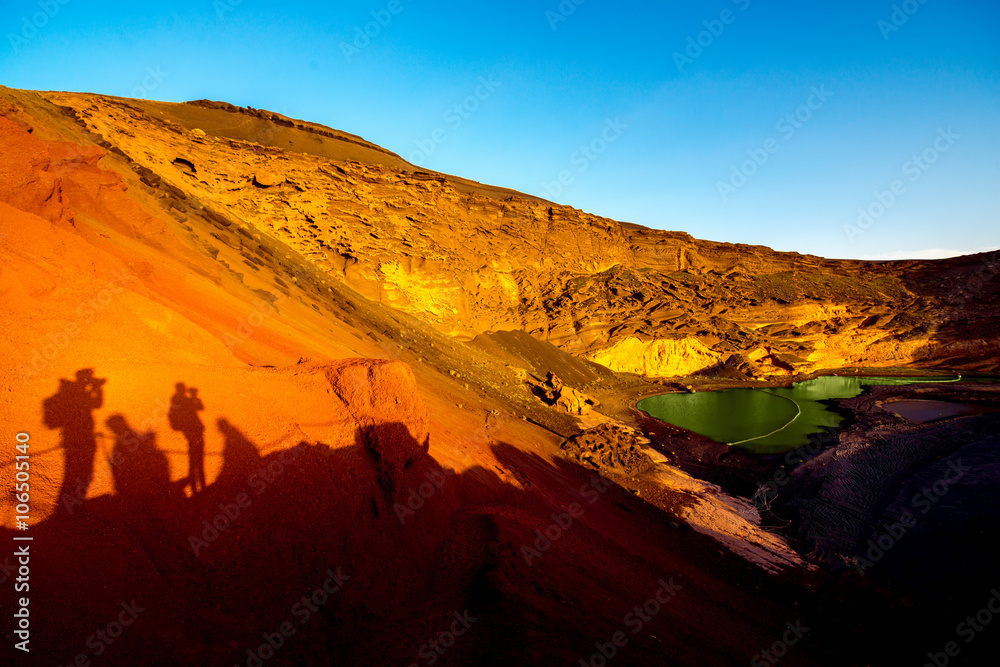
[657,357]
[469,259]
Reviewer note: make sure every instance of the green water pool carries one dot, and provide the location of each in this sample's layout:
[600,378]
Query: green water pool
[771,420]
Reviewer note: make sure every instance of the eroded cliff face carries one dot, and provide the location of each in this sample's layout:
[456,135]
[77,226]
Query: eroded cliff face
[150,245]
[470,259]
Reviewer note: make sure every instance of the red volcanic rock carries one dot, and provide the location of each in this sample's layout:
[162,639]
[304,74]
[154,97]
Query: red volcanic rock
[30,173]
[379,391]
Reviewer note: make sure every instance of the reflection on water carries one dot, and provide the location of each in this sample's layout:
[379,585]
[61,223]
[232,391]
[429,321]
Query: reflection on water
[921,411]
[766,420]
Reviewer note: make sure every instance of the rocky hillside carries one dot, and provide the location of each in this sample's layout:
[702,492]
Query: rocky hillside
[219,428]
[470,259]
[264,365]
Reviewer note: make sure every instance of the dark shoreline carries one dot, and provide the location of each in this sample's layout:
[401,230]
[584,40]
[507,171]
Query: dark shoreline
[908,600]
[739,471]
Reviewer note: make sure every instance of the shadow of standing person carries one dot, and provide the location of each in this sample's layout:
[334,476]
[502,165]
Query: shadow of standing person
[145,499]
[239,456]
[139,469]
[70,409]
[183,416]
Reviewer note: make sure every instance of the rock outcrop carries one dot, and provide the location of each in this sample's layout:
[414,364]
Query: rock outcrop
[609,447]
[470,259]
[561,396]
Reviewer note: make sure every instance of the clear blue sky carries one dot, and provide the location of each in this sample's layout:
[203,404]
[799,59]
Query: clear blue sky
[677,127]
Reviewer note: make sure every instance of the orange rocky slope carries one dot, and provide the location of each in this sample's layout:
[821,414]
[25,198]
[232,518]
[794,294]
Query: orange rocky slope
[339,434]
[287,287]
[470,259]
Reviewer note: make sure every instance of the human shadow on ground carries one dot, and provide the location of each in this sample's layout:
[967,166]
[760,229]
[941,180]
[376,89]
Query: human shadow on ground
[363,551]
[70,410]
[183,416]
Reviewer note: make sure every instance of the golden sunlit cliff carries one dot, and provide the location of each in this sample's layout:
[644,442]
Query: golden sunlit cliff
[471,259]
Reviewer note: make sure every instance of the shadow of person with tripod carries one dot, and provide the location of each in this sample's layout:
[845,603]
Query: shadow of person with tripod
[70,409]
[183,416]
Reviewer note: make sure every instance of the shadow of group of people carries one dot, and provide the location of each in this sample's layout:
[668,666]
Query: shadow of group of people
[418,542]
[138,468]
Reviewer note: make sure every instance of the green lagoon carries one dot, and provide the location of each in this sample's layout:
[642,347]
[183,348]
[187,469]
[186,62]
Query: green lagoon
[769,420]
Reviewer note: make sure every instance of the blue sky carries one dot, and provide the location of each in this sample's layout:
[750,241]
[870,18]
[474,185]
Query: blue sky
[671,114]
